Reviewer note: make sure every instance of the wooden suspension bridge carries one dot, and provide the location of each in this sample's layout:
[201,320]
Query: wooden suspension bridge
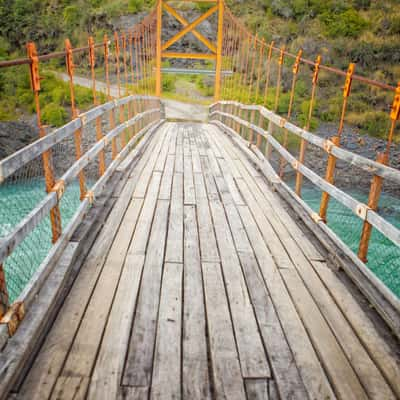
[191,267]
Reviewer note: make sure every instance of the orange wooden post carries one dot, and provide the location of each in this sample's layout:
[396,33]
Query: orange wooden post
[118,65]
[99,134]
[158,48]
[55,215]
[259,69]
[377,181]
[303,143]
[253,67]
[130,43]
[78,133]
[268,73]
[295,71]
[129,105]
[218,64]
[112,115]
[330,170]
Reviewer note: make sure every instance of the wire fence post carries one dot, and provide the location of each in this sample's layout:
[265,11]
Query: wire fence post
[78,133]
[303,143]
[55,215]
[295,71]
[99,133]
[331,165]
[377,181]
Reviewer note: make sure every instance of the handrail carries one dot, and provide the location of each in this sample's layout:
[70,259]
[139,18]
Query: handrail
[19,233]
[364,163]
[361,210]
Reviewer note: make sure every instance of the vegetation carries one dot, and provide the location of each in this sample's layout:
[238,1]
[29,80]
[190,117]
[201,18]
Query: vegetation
[363,31]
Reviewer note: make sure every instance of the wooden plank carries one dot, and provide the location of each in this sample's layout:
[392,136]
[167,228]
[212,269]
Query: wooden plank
[108,369]
[160,164]
[227,378]
[189,192]
[166,382]
[251,351]
[83,352]
[339,370]
[133,393]
[42,376]
[369,375]
[140,190]
[195,378]
[312,374]
[168,174]
[146,217]
[208,244]
[256,389]
[174,250]
[139,361]
[377,347]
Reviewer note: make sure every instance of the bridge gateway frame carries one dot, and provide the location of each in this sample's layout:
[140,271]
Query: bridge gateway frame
[216,49]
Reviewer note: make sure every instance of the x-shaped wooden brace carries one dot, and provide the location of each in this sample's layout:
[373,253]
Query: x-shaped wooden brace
[189,27]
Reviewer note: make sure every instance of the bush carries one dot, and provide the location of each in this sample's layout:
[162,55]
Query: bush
[54,115]
[168,83]
[135,5]
[348,23]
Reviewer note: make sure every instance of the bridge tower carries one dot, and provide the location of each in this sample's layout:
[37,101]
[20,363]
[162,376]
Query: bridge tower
[215,48]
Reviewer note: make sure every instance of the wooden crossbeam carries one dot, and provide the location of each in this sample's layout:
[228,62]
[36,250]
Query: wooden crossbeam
[194,56]
[185,23]
[190,27]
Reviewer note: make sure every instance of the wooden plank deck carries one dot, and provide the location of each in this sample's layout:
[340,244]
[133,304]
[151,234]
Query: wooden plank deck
[208,289]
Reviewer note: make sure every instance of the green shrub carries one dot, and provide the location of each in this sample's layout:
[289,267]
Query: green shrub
[135,5]
[168,83]
[54,115]
[348,23]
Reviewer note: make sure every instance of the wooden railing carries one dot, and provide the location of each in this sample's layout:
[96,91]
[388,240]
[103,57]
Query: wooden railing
[230,116]
[118,142]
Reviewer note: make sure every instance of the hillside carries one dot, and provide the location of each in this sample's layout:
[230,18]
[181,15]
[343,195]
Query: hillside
[363,31]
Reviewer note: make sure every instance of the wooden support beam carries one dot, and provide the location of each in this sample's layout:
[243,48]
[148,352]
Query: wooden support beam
[158,48]
[218,66]
[185,23]
[190,27]
[194,56]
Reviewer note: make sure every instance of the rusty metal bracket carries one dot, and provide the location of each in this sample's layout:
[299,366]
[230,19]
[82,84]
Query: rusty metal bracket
[34,66]
[328,146]
[69,60]
[316,218]
[282,122]
[362,210]
[13,317]
[296,64]
[281,56]
[59,188]
[92,54]
[83,118]
[349,80]
[90,196]
[316,69]
[295,165]
[395,113]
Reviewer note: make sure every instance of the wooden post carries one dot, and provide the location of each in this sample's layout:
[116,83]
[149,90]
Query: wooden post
[99,134]
[329,177]
[377,181]
[218,64]
[55,215]
[303,144]
[373,201]
[260,124]
[158,48]
[330,171]
[78,133]
[295,71]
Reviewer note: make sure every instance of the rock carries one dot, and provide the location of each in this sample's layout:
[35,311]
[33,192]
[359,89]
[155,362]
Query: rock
[15,135]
